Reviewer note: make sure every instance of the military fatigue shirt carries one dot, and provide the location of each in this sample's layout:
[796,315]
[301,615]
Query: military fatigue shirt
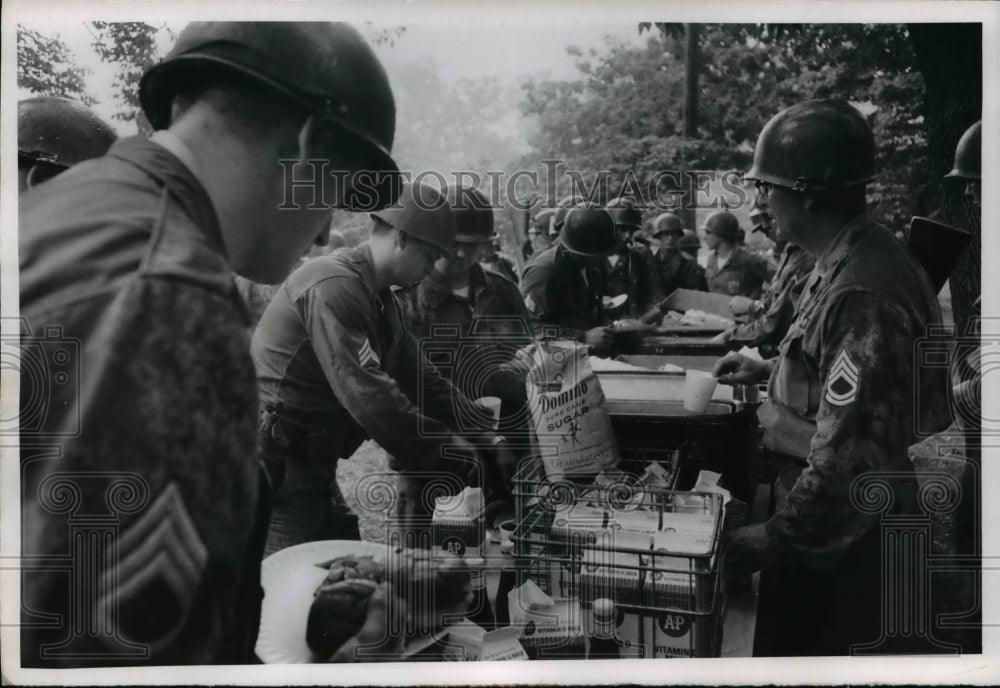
[743,274]
[677,271]
[771,322]
[470,339]
[563,297]
[634,274]
[846,394]
[125,282]
[331,352]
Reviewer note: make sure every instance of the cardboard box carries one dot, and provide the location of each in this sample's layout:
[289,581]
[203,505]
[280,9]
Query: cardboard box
[685,299]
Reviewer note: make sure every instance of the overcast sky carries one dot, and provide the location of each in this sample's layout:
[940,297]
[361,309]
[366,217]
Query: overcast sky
[507,51]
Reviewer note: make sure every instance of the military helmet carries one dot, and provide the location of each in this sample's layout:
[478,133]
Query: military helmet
[473,215]
[589,232]
[813,146]
[563,206]
[667,223]
[60,131]
[724,225]
[689,240]
[421,211]
[326,67]
[968,154]
[625,213]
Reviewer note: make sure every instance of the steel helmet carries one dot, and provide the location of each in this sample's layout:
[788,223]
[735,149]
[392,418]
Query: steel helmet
[422,212]
[625,213]
[815,145]
[724,225]
[473,215]
[60,131]
[589,232]
[968,154]
[326,67]
[689,240]
[667,223]
[563,206]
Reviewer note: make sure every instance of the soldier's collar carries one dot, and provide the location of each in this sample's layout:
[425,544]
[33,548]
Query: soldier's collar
[839,247]
[435,287]
[180,150]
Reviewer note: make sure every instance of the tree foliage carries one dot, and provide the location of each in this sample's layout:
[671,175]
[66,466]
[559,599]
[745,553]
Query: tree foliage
[625,112]
[45,66]
[131,46]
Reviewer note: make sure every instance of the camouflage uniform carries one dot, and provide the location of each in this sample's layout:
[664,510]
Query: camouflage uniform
[744,274]
[841,404]
[563,298]
[677,271]
[633,274]
[124,253]
[772,319]
[335,365]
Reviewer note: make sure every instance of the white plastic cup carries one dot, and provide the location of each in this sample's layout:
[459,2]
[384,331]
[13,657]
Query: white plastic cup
[699,386]
[492,404]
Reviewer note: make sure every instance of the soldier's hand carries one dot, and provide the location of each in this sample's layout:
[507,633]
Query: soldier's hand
[737,369]
[472,458]
[720,338]
[380,638]
[740,305]
[749,550]
[600,339]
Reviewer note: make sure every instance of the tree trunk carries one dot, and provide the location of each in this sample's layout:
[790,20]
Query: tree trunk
[950,57]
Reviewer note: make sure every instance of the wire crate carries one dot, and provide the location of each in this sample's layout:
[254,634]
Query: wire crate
[587,541]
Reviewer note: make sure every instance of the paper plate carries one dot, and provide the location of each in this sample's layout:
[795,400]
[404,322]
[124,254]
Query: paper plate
[289,578]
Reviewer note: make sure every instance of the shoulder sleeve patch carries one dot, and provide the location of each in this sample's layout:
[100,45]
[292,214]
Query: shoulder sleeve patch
[842,383]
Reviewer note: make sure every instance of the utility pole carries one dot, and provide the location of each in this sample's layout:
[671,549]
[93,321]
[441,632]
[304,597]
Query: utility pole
[693,67]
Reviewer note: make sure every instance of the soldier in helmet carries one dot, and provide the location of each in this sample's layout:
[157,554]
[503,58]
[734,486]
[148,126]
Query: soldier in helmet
[562,286]
[631,269]
[336,365]
[677,270]
[483,304]
[55,133]
[769,317]
[842,402]
[731,269]
[538,234]
[133,262]
[690,245]
[968,355]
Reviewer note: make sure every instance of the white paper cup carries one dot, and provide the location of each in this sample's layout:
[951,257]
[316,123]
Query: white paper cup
[698,388]
[492,404]
[506,529]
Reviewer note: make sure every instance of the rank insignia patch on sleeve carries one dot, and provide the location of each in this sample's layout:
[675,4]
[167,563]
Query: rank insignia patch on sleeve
[842,385]
[367,355]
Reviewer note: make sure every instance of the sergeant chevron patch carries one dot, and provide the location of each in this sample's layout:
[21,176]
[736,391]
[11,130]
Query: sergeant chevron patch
[842,385]
[153,571]
[367,355]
